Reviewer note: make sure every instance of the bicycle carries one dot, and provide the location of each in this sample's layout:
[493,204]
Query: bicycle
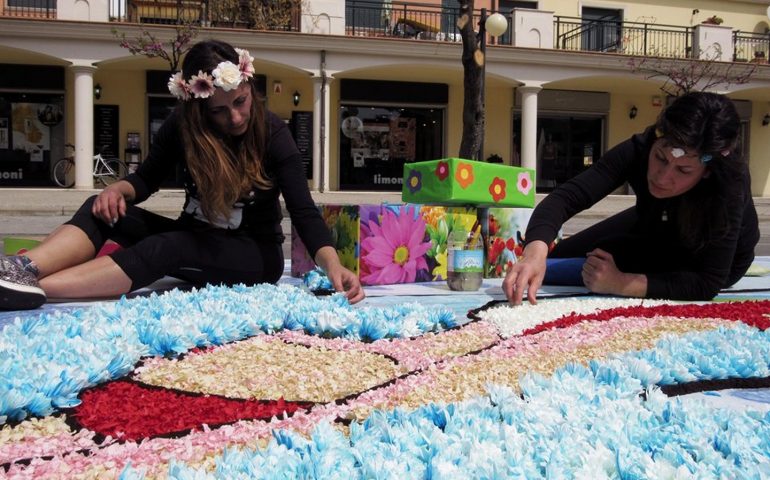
[106,170]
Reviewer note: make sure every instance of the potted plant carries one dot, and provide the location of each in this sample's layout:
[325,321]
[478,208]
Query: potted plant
[713,20]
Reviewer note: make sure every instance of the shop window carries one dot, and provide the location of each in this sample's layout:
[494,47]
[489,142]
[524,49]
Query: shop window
[376,141]
[158,109]
[566,146]
[31,137]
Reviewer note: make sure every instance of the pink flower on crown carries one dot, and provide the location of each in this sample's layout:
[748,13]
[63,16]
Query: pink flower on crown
[245,63]
[178,87]
[201,85]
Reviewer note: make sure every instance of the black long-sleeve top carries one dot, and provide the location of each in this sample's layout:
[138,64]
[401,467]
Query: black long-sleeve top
[706,272]
[259,212]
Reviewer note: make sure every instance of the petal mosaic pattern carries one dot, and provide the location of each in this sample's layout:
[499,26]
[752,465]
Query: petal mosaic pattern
[567,389]
[130,411]
[265,368]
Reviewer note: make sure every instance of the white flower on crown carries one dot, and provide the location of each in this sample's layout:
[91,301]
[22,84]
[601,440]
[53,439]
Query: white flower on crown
[178,87]
[226,75]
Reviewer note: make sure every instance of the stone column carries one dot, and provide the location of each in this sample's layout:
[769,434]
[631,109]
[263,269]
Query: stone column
[529,125]
[321,109]
[84,125]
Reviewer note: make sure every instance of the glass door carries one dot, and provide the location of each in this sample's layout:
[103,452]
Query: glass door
[566,146]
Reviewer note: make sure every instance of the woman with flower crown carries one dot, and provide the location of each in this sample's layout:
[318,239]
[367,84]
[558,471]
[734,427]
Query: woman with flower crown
[236,158]
[692,231]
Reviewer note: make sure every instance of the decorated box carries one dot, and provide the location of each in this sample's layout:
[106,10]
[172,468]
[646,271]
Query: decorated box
[504,233]
[388,244]
[455,181]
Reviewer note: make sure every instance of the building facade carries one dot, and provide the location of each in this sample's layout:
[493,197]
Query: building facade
[369,85]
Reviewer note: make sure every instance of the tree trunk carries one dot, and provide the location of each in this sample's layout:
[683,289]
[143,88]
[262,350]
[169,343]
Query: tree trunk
[473,59]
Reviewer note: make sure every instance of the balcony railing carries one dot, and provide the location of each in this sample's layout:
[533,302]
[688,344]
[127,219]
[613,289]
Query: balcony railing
[28,8]
[283,15]
[630,38]
[409,20]
[401,19]
[751,46]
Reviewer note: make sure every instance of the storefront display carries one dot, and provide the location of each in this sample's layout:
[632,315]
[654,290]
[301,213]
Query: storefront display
[31,138]
[375,142]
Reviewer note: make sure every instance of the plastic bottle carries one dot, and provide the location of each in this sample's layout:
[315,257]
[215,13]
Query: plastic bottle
[465,260]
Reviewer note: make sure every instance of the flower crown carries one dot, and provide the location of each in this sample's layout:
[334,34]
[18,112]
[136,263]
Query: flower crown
[226,75]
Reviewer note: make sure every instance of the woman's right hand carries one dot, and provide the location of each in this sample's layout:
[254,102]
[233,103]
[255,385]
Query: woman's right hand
[526,274]
[110,204]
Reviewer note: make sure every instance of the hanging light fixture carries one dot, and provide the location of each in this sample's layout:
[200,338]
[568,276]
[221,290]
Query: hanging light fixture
[97,91]
[633,112]
[295,97]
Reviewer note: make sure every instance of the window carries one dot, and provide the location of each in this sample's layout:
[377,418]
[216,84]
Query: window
[601,29]
[30,4]
[31,137]
[376,141]
[366,14]
[566,146]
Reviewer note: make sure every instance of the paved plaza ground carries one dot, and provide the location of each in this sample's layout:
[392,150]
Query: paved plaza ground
[35,212]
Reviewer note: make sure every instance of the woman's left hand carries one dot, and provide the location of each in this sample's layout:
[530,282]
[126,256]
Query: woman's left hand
[601,275]
[343,280]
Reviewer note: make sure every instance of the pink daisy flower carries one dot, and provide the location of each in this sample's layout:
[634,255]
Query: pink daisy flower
[394,252]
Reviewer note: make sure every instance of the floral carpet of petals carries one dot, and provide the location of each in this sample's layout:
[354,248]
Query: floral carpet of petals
[270,382]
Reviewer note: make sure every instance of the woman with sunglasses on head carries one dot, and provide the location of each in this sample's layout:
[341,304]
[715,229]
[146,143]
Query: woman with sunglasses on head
[692,231]
[235,158]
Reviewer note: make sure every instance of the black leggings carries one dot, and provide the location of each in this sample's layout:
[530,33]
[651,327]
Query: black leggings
[155,246]
[637,253]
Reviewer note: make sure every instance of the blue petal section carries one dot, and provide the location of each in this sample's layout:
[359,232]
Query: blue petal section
[47,360]
[601,421]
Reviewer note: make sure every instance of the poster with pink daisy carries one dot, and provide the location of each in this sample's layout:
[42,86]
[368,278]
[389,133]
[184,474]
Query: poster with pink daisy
[387,244]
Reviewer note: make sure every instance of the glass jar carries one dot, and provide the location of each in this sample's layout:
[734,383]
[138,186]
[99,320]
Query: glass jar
[465,260]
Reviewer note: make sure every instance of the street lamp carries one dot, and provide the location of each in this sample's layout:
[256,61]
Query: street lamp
[495,25]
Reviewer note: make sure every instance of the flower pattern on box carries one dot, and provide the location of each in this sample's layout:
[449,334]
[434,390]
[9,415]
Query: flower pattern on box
[524,182]
[455,181]
[571,384]
[442,170]
[497,189]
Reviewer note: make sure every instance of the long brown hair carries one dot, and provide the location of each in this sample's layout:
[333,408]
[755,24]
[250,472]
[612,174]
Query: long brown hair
[224,169]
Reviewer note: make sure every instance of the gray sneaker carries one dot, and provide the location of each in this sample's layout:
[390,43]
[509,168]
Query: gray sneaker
[19,289]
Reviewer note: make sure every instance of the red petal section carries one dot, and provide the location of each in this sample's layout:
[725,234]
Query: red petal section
[755,314]
[130,411]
